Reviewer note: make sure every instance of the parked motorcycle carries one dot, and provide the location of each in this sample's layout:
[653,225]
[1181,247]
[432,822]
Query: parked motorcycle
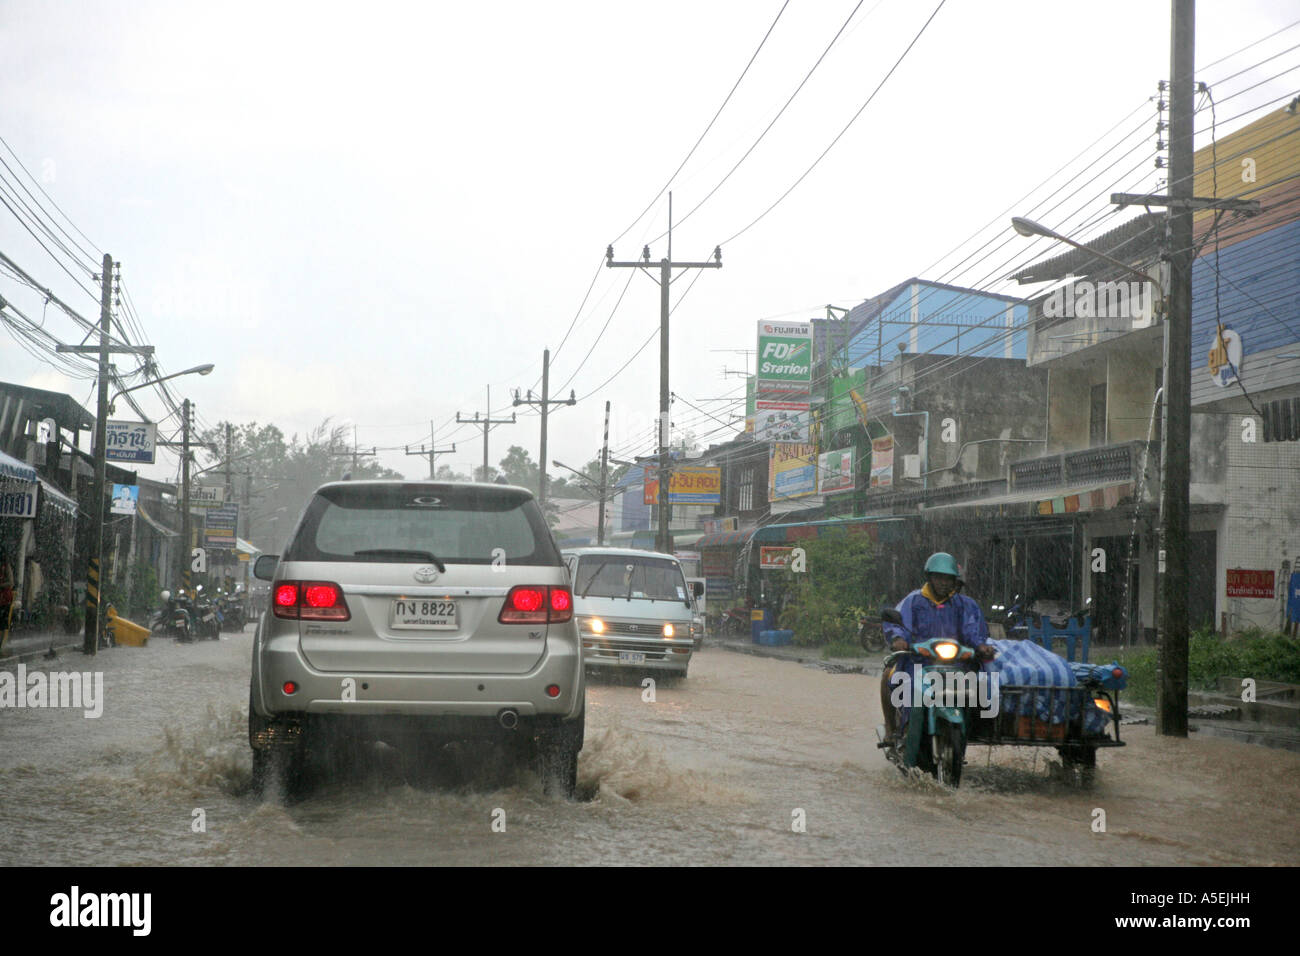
[232,612]
[934,740]
[174,618]
[871,635]
[208,616]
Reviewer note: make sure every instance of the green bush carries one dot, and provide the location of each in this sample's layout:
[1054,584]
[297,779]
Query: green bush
[1251,653]
[828,598]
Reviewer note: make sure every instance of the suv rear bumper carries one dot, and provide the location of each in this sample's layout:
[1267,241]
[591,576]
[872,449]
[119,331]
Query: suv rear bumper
[280,660]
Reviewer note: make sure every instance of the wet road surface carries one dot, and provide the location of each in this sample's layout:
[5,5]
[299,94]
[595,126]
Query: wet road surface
[720,768]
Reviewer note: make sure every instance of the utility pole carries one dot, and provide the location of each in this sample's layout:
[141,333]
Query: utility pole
[187,581]
[545,402]
[431,452]
[486,423]
[1175,460]
[666,266]
[604,481]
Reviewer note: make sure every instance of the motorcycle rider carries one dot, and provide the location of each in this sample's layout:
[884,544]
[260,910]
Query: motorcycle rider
[936,609]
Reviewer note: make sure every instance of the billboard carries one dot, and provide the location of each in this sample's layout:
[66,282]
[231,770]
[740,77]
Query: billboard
[219,526]
[784,358]
[1250,584]
[782,421]
[130,441]
[688,485]
[882,462]
[793,471]
[125,498]
[835,471]
[774,558]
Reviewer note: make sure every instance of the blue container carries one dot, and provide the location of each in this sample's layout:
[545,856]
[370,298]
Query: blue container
[775,638]
[760,620]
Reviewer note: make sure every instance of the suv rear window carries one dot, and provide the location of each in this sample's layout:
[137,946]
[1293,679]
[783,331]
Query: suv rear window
[457,525]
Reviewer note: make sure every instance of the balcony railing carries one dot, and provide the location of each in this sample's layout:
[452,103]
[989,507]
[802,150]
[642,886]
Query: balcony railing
[1120,462]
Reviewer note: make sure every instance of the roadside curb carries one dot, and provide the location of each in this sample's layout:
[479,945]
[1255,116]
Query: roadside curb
[26,656]
[835,665]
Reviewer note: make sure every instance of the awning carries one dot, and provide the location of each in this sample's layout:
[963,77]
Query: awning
[56,499]
[246,546]
[781,533]
[1046,501]
[11,467]
[686,540]
[723,539]
[151,522]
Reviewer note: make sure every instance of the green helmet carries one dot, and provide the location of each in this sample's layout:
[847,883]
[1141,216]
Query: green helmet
[941,562]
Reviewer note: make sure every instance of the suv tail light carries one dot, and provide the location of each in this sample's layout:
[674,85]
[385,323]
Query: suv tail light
[537,604]
[309,601]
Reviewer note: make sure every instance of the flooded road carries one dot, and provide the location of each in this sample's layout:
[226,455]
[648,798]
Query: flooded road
[718,769]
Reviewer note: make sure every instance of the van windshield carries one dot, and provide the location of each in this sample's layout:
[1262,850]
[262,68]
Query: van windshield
[619,576]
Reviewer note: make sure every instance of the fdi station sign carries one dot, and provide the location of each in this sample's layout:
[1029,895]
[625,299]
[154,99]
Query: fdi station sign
[784,359]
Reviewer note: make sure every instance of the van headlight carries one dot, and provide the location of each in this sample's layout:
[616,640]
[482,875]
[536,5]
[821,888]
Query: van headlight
[593,624]
[668,630]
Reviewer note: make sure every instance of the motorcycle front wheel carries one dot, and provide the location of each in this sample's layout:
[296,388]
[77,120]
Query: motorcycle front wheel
[949,754]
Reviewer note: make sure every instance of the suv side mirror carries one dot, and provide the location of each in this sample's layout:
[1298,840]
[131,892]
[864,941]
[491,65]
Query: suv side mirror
[264,567]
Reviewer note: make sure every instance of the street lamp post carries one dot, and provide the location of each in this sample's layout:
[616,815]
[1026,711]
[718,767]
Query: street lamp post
[1172,571]
[196,370]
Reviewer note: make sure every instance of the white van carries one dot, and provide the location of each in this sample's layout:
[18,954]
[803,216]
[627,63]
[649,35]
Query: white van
[634,609]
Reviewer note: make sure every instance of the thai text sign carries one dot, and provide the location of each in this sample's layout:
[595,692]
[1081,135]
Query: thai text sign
[687,485]
[1250,584]
[793,469]
[130,441]
[784,358]
[207,496]
[18,499]
[773,558]
[835,471]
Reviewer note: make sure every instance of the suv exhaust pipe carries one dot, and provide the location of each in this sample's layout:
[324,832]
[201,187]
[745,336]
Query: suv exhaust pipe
[509,719]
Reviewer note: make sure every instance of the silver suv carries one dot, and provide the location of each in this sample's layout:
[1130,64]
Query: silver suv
[414,612]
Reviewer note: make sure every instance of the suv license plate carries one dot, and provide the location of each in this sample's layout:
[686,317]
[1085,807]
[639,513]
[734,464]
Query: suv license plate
[631,657]
[423,614]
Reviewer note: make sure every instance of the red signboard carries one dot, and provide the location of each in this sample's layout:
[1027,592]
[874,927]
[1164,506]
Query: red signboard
[1250,584]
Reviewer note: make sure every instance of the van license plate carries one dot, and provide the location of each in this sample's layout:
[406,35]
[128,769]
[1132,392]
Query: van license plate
[631,657]
[423,614]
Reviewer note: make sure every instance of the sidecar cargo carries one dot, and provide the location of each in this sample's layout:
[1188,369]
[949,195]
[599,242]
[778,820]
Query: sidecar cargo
[1044,700]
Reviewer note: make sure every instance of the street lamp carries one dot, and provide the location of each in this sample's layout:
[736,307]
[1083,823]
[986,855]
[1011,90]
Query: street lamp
[196,370]
[1027,227]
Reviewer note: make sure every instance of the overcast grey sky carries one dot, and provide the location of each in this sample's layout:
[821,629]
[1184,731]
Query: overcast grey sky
[373,212]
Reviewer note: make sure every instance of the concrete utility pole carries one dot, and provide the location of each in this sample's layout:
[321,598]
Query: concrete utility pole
[187,581]
[103,350]
[604,481]
[432,451]
[663,540]
[1175,460]
[486,423]
[545,402]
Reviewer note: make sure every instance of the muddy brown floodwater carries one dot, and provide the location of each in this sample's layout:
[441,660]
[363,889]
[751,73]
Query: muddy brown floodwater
[716,770]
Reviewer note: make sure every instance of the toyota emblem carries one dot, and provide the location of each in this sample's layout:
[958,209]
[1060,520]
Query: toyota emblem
[426,574]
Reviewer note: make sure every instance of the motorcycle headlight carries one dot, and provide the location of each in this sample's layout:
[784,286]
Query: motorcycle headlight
[1102,703]
[945,651]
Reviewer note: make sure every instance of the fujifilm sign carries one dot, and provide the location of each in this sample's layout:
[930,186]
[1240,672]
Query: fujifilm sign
[784,358]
